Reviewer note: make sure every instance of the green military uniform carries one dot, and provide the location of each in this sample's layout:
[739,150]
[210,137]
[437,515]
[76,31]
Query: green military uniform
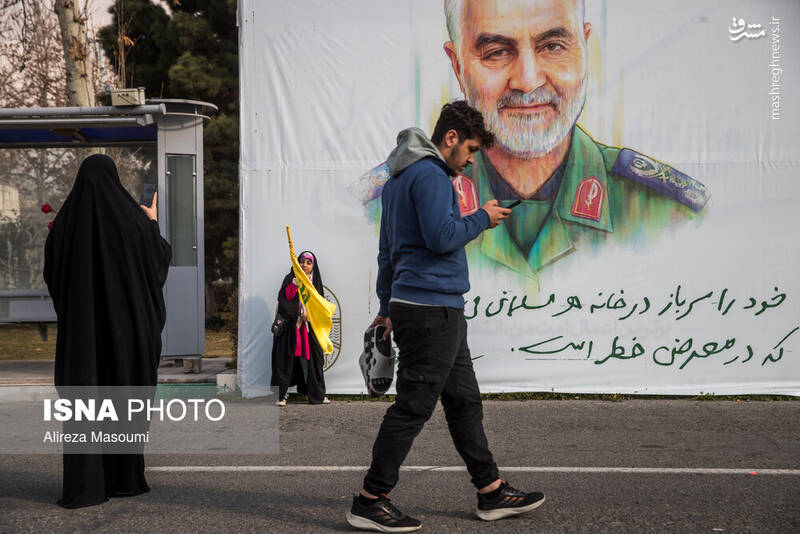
[604,193]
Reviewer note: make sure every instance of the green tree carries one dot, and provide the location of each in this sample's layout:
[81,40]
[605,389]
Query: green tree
[208,69]
[192,53]
[154,47]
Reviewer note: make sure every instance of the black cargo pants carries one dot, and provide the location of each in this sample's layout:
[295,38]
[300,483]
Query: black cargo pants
[434,360]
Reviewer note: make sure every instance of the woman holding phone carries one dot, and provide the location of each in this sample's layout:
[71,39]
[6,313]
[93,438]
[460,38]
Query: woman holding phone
[105,266]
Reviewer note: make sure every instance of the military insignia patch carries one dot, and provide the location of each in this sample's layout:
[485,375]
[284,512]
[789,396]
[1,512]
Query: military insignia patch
[589,197]
[660,177]
[467,194]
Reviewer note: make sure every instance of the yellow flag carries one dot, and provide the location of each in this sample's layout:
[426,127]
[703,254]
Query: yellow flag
[320,311]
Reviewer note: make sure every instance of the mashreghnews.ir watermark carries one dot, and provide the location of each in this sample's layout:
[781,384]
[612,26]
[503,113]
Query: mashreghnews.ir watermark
[739,30]
[776,71]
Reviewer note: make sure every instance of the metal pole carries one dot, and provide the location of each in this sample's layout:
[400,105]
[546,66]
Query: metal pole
[157,109]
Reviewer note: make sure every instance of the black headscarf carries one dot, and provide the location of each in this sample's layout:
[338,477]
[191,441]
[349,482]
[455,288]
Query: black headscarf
[317,281]
[105,266]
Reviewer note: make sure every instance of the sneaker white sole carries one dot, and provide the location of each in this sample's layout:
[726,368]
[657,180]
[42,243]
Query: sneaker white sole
[500,513]
[362,523]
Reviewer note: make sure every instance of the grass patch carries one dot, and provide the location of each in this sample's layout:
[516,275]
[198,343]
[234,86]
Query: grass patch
[22,342]
[218,344]
[220,329]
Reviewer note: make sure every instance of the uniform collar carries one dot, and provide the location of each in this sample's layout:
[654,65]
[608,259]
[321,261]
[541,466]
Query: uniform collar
[502,191]
[584,160]
[553,240]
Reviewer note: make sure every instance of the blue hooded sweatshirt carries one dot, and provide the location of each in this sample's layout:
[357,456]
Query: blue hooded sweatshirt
[421,257]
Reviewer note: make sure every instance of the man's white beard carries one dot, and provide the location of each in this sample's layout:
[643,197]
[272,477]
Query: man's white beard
[523,135]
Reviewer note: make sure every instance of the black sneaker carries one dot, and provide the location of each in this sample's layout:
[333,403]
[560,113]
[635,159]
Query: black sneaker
[381,516]
[509,502]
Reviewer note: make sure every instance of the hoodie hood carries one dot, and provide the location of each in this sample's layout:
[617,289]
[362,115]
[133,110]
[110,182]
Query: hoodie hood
[412,146]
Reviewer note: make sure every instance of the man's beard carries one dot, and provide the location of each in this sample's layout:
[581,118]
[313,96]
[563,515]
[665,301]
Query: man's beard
[524,135]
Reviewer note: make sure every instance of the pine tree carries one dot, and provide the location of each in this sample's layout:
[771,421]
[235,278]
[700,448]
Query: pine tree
[141,45]
[192,53]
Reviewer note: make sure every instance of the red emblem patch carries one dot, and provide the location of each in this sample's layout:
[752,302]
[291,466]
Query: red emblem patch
[467,194]
[589,199]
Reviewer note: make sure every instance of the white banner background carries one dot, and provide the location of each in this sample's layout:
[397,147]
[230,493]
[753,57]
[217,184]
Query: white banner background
[326,86]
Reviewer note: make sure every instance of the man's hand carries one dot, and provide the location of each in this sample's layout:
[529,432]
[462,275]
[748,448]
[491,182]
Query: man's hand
[496,212]
[152,211]
[385,321]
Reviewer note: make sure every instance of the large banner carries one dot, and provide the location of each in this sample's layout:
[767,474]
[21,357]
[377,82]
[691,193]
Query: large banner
[656,150]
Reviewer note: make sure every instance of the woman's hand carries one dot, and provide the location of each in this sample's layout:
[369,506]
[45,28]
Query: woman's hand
[152,211]
[304,316]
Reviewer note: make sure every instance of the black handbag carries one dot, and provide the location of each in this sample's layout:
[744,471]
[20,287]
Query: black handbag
[278,325]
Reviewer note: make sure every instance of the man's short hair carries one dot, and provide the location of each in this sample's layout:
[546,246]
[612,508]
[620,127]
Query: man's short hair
[465,120]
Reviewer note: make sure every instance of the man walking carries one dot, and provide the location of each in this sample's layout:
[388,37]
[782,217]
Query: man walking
[422,277]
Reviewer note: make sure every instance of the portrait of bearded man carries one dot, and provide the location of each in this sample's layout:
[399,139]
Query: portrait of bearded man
[524,65]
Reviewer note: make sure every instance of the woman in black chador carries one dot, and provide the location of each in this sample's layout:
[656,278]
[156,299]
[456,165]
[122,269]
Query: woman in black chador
[297,358]
[105,266]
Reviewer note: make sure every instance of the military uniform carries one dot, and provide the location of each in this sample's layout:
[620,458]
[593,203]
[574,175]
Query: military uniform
[598,193]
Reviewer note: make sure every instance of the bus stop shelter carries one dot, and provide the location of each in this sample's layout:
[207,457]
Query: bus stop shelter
[160,143]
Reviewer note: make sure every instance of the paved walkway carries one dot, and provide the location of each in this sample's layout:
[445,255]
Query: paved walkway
[40,372]
[635,466]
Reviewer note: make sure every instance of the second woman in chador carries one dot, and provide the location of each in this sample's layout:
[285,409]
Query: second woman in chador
[297,358]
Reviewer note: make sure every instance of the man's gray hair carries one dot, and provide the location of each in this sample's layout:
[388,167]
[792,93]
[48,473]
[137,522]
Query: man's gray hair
[454,10]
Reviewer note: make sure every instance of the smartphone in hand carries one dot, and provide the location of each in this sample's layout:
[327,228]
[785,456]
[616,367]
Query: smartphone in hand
[148,191]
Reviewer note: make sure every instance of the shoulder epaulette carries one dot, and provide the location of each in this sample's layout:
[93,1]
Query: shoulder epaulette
[369,185]
[660,177]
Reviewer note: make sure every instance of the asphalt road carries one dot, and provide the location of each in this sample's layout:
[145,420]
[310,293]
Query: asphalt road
[539,436]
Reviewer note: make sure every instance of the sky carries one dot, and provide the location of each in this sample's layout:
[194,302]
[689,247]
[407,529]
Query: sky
[99,15]
[98,12]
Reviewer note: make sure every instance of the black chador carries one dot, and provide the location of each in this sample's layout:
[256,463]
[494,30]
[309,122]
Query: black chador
[105,267]
[292,365]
